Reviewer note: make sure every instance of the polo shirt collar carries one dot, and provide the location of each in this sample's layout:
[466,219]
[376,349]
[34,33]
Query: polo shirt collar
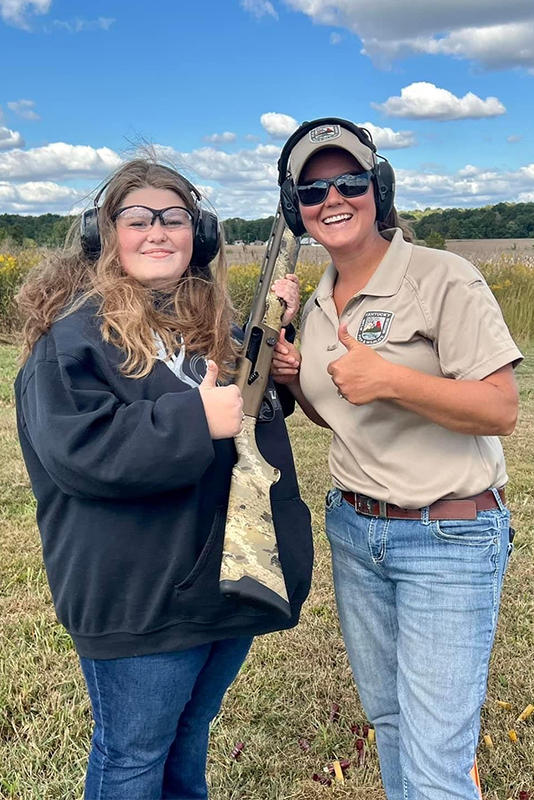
[388,276]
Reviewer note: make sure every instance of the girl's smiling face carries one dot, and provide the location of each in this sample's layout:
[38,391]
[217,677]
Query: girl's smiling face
[159,255]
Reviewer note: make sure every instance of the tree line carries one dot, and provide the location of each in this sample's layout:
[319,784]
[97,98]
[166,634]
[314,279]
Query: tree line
[501,221]
[50,229]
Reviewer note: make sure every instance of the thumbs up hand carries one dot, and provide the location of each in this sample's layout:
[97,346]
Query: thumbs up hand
[361,375]
[210,378]
[223,405]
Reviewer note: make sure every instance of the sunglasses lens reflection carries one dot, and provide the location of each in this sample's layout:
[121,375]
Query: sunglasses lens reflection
[349,184]
[313,194]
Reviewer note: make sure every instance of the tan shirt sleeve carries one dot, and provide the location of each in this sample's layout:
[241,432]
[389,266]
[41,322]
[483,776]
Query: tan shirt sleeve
[471,337]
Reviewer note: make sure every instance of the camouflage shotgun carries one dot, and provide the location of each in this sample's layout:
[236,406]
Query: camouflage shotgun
[250,566]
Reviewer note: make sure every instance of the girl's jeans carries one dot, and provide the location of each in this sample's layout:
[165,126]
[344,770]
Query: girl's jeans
[418,603]
[152,716]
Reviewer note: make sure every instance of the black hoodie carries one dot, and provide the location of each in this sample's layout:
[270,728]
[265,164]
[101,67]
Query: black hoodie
[131,499]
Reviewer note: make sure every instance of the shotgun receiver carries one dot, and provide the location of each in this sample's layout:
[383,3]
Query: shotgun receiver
[251,566]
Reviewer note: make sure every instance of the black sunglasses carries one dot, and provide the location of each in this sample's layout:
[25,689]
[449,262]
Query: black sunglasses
[142,218]
[349,184]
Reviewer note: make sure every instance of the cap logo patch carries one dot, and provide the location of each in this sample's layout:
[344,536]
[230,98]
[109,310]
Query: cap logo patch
[325,133]
[374,327]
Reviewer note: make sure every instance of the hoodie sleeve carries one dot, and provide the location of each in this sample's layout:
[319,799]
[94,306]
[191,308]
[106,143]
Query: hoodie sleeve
[92,444]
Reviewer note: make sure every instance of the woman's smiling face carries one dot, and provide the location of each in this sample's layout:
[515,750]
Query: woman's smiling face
[159,255]
[338,223]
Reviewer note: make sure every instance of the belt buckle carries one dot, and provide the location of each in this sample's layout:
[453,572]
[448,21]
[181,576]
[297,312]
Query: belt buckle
[364,504]
[367,505]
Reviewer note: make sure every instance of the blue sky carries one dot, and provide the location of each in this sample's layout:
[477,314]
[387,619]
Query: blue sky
[445,86]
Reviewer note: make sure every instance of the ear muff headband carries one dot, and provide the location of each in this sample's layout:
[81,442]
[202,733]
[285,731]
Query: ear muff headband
[383,174]
[206,234]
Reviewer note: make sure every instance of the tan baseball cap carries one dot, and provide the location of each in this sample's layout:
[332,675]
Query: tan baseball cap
[329,135]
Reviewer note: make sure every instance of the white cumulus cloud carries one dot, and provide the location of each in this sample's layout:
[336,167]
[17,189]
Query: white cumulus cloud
[468,171]
[244,183]
[335,38]
[278,126]
[387,138]
[10,139]
[495,34]
[24,108]
[495,46]
[15,12]
[424,100]
[38,197]
[259,8]
[256,167]
[469,186]
[58,161]
[221,138]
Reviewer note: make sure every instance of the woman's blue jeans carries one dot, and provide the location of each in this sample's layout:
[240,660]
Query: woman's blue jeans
[152,716]
[418,603]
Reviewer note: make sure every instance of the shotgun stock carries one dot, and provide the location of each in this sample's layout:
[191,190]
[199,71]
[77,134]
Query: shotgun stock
[251,568]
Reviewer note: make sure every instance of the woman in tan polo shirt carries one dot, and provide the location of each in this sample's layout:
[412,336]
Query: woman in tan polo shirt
[406,357]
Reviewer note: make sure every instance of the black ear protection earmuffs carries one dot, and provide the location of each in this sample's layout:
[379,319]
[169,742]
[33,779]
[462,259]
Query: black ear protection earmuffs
[206,235]
[383,174]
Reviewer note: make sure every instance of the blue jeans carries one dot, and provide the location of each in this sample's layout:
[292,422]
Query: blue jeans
[418,603]
[152,716]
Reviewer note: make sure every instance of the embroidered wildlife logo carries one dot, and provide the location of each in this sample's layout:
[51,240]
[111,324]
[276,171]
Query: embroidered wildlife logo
[324,133]
[374,326]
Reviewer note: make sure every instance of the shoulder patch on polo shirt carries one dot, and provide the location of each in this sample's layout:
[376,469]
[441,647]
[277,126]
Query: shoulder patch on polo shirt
[374,327]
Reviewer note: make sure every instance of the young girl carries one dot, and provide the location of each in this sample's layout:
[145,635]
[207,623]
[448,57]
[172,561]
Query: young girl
[126,419]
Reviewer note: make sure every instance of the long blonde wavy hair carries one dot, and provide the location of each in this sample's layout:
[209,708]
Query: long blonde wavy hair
[195,312]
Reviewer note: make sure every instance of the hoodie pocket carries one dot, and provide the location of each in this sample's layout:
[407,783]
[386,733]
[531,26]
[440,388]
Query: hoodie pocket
[198,595]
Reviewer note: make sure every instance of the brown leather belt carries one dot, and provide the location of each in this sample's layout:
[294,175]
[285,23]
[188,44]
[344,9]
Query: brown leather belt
[442,509]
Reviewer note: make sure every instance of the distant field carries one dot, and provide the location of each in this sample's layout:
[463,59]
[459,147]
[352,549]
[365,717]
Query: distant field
[473,249]
[490,248]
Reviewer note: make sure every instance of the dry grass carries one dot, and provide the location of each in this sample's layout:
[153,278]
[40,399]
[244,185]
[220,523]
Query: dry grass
[286,687]
[472,249]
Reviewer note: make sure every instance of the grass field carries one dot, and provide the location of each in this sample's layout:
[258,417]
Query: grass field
[472,249]
[286,688]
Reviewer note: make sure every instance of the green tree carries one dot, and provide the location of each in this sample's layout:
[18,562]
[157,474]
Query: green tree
[16,234]
[436,240]
[58,232]
[454,229]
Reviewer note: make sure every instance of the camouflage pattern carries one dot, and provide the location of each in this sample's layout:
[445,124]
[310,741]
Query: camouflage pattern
[250,546]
